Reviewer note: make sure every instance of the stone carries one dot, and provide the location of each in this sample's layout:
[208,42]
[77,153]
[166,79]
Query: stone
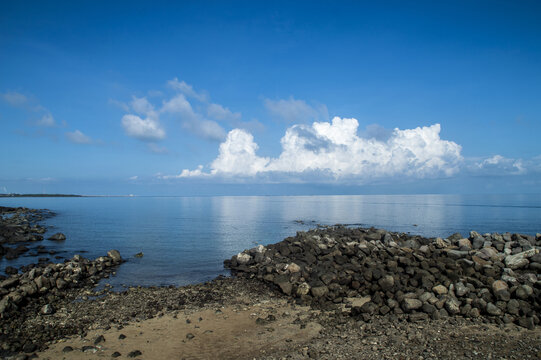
[47,309]
[135,353]
[527,322]
[464,244]
[303,289]
[89,349]
[115,255]
[99,339]
[440,290]
[67,349]
[293,268]
[499,285]
[493,310]
[319,291]
[243,258]
[457,254]
[386,282]
[57,237]
[411,304]
[286,287]
[524,292]
[520,260]
[461,289]
[116,354]
[452,306]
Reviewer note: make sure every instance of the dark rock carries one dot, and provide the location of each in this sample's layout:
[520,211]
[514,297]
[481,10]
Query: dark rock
[134,353]
[116,354]
[99,339]
[121,337]
[67,349]
[57,237]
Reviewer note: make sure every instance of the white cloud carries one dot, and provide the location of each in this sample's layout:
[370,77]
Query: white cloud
[334,148]
[143,129]
[186,89]
[206,129]
[14,98]
[298,111]
[78,137]
[133,178]
[218,112]
[500,165]
[179,105]
[46,120]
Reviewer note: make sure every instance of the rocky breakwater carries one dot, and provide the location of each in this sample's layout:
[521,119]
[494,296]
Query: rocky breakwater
[41,284]
[375,272]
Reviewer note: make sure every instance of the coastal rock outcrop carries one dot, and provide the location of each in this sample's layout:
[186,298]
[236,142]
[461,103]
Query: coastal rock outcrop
[493,275]
[44,279]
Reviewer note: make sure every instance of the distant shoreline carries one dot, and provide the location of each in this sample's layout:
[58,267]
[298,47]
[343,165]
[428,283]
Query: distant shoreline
[39,195]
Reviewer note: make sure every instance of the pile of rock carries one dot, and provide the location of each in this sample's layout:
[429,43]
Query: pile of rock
[39,280]
[380,272]
[19,225]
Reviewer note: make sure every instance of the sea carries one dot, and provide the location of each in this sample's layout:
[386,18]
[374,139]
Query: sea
[184,240]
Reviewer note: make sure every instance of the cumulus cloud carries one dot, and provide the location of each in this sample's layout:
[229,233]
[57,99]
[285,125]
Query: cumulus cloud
[78,137]
[292,110]
[500,165]
[336,150]
[147,129]
[206,129]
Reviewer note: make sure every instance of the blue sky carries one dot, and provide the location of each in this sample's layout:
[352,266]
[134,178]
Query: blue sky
[202,98]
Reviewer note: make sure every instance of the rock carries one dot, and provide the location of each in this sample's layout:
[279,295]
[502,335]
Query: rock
[319,291]
[457,254]
[116,354]
[293,268]
[10,270]
[439,290]
[115,255]
[99,339]
[47,309]
[243,258]
[524,292]
[135,353]
[286,287]
[493,310]
[67,349]
[190,336]
[29,347]
[303,289]
[411,304]
[464,244]
[461,289]
[452,306]
[89,349]
[527,322]
[121,337]
[520,260]
[57,237]
[386,282]
[139,255]
[498,286]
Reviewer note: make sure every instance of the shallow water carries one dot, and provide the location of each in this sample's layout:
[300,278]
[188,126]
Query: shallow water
[186,239]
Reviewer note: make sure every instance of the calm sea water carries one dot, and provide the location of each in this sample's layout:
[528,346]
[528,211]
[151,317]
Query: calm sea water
[186,239]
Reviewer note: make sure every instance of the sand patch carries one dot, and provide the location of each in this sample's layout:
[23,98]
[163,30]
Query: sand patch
[230,332]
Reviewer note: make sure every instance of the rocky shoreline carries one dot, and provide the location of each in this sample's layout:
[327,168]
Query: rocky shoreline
[373,271]
[328,293]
